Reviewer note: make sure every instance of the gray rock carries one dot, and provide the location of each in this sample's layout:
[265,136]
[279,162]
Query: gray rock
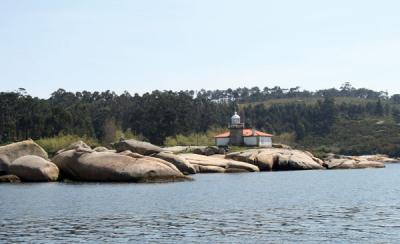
[208,151]
[202,160]
[268,159]
[11,152]
[103,149]
[379,158]
[182,164]
[107,166]
[210,169]
[131,154]
[34,169]
[351,163]
[143,148]
[76,145]
[177,149]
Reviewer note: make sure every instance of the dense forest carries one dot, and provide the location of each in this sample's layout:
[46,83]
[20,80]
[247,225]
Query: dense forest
[345,120]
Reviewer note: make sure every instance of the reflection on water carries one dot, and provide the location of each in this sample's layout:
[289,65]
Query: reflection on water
[308,206]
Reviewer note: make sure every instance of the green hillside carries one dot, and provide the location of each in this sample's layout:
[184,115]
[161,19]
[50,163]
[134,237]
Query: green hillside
[347,120]
[360,126]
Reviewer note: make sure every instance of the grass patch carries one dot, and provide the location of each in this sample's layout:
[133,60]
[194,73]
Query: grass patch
[53,144]
[194,139]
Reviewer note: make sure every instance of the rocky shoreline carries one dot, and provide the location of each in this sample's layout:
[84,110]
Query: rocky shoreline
[136,161]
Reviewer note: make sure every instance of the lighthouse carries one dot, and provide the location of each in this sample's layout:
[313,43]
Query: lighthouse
[236,131]
[238,135]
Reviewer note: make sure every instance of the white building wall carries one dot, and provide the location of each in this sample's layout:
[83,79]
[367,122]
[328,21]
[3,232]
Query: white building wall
[250,141]
[222,141]
[265,141]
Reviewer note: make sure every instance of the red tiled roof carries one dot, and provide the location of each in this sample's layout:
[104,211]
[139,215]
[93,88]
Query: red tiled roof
[246,133]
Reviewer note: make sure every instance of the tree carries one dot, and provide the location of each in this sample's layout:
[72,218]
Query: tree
[109,131]
[379,110]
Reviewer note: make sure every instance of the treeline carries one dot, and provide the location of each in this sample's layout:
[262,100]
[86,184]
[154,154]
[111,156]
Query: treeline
[153,116]
[159,115]
[315,119]
[256,94]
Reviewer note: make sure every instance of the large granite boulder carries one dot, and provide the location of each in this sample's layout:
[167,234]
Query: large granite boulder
[182,164]
[107,166]
[351,162]
[268,159]
[34,169]
[143,148]
[9,179]
[223,163]
[137,155]
[11,152]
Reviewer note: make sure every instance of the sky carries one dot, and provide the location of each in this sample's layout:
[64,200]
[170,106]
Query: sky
[140,46]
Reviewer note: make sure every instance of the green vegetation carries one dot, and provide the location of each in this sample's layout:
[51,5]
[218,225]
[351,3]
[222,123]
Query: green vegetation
[346,120]
[194,139]
[53,144]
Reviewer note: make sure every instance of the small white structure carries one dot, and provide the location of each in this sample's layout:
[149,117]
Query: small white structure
[239,136]
[235,119]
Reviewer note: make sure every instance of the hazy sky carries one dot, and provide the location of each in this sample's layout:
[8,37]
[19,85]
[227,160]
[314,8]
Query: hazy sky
[141,46]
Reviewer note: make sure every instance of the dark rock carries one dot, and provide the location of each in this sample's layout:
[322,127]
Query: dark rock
[9,179]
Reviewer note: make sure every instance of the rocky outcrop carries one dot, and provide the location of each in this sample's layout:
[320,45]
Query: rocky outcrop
[143,148]
[379,158]
[75,145]
[103,149]
[278,145]
[211,169]
[108,166]
[208,151]
[131,154]
[11,152]
[351,162]
[178,149]
[269,159]
[182,164]
[223,163]
[34,169]
[9,179]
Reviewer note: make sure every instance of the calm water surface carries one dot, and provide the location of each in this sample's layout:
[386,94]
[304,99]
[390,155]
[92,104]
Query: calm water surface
[351,206]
